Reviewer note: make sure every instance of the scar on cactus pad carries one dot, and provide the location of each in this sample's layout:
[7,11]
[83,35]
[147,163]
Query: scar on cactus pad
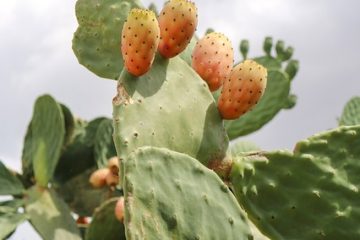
[242,90]
[177,21]
[140,39]
[213,58]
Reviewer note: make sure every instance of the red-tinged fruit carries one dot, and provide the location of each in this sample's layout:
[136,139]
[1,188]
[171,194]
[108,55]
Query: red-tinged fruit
[213,59]
[139,42]
[98,177]
[177,21]
[119,209]
[242,90]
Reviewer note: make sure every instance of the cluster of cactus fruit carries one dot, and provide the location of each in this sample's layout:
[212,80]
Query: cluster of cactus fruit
[163,167]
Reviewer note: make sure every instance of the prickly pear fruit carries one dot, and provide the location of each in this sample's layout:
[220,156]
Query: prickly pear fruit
[98,178]
[213,59]
[177,21]
[119,209]
[140,39]
[113,165]
[112,179]
[242,90]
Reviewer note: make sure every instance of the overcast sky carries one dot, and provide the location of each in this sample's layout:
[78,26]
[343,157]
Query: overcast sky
[36,58]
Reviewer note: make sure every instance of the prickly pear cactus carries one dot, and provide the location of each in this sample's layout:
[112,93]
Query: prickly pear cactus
[351,112]
[277,94]
[204,207]
[312,193]
[180,113]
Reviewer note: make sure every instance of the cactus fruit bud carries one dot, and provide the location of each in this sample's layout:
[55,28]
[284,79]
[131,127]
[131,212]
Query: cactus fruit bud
[242,90]
[98,177]
[280,49]
[268,42]
[112,179]
[213,59]
[244,48]
[288,53]
[113,165]
[292,68]
[140,39]
[209,30]
[177,21]
[119,209]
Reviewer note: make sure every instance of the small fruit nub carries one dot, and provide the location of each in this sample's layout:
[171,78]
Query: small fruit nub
[177,22]
[139,41]
[119,209]
[242,90]
[213,59]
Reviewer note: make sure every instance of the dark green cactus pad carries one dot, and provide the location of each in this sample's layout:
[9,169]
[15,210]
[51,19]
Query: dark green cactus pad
[171,107]
[26,157]
[274,99]
[69,123]
[49,215]
[104,225]
[351,112]
[47,138]
[81,196]
[312,193]
[169,195]
[9,183]
[78,156]
[96,42]
[10,217]
[104,147]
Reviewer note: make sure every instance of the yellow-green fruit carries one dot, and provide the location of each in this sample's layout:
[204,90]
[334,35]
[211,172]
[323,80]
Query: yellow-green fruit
[139,42]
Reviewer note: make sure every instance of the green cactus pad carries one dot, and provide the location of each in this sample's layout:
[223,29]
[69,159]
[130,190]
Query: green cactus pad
[47,138]
[312,193]
[171,107]
[169,195]
[104,225]
[243,147]
[96,42]
[104,147]
[10,217]
[351,112]
[69,123]
[81,196]
[9,183]
[49,215]
[274,99]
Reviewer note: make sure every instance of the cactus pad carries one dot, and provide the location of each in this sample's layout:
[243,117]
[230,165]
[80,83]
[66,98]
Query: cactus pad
[104,224]
[104,147]
[351,112]
[9,183]
[96,42]
[49,215]
[204,207]
[10,217]
[47,136]
[312,193]
[169,107]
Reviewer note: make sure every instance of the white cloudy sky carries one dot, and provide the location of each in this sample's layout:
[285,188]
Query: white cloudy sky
[36,58]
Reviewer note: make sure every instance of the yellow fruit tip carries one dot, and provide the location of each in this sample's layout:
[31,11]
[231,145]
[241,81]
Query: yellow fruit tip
[141,13]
